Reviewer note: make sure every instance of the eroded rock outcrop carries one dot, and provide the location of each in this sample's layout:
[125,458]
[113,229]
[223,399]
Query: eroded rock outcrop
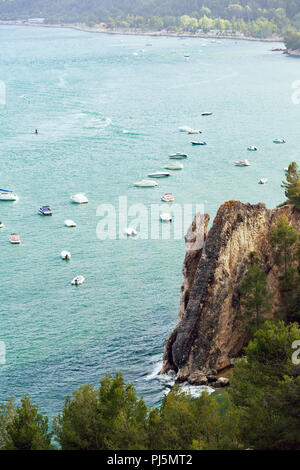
[208,333]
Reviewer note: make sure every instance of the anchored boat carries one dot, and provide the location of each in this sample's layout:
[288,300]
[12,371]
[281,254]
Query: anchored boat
[242,163]
[145,184]
[69,223]
[65,255]
[7,195]
[78,280]
[14,239]
[166,217]
[159,174]
[79,198]
[168,197]
[174,166]
[178,156]
[45,210]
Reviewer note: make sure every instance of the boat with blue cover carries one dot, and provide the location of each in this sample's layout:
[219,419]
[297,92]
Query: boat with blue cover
[7,195]
[45,210]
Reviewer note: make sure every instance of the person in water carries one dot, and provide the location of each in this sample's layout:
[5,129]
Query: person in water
[36,131]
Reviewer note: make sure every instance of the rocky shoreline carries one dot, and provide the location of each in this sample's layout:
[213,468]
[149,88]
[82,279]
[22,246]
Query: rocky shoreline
[137,32]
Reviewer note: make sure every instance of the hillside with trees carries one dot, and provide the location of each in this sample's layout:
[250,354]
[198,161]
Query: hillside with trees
[257,18]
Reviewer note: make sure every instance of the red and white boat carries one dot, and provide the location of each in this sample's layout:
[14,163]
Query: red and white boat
[168,197]
[14,238]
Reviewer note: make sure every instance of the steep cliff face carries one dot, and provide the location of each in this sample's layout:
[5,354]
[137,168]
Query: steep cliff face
[208,333]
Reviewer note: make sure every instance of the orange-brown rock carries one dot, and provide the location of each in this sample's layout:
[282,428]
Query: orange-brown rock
[208,333]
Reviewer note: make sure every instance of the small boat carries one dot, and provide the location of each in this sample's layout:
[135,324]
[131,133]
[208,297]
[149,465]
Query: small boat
[7,195]
[130,232]
[194,131]
[45,210]
[79,198]
[184,129]
[263,181]
[206,114]
[1,224]
[159,174]
[174,166]
[78,280]
[242,163]
[168,197]
[178,156]
[279,141]
[14,238]
[198,142]
[69,223]
[145,184]
[252,148]
[65,255]
[187,56]
[166,217]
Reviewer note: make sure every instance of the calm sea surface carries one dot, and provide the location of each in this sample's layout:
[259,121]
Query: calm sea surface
[108,109]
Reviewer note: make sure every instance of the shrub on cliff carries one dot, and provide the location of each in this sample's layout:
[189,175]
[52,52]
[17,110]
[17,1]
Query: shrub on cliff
[183,422]
[23,428]
[265,390]
[254,297]
[285,241]
[292,184]
[292,40]
[110,417]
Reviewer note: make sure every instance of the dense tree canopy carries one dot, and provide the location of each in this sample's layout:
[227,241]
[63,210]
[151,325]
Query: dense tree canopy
[253,17]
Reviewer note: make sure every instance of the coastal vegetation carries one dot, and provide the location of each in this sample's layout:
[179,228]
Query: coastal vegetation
[292,40]
[256,18]
[260,410]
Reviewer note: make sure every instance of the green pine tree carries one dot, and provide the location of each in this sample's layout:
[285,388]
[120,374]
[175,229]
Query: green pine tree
[292,185]
[26,428]
[254,296]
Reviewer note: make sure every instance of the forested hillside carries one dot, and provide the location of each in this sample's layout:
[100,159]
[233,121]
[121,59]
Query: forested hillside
[259,18]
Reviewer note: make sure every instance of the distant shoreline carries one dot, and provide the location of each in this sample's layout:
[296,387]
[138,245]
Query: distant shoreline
[136,32]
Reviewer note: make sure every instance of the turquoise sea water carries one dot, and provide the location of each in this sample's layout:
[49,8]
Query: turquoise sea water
[82,91]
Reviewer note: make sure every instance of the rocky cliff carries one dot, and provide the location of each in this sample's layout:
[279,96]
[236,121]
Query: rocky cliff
[208,333]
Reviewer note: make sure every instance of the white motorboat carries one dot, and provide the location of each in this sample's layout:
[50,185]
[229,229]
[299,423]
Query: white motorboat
[174,166]
[178,156]
[7,195]
[279,141]
[252,148]
[69,223]
[184,129]
[194,131]
[1,225]
[78,280]
[130,232]
[79,198]
[145,184]
[263,181]
[198,142]
[159,174]
[65,255]
[165,217]
[242,163]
